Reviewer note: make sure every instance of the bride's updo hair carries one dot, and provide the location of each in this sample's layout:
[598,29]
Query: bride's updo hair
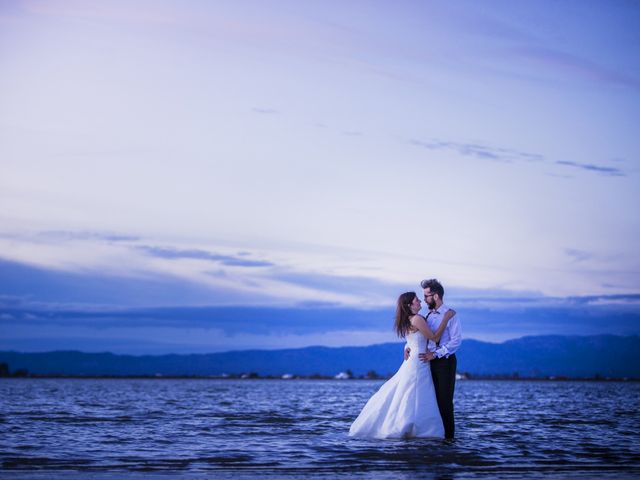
[403,313]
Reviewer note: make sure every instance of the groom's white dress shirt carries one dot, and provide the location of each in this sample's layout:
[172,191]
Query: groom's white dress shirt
[451,337]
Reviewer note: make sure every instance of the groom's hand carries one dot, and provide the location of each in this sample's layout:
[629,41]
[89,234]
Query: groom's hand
[427,357]
[407,351]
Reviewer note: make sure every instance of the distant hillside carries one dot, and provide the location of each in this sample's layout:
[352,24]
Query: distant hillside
[572,356]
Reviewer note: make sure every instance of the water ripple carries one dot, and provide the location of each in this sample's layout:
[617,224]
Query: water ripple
[299,429]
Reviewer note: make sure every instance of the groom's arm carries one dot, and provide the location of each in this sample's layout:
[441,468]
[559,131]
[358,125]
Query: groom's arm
[455,339]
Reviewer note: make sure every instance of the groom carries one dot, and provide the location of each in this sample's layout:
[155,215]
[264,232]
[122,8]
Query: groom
[442,356]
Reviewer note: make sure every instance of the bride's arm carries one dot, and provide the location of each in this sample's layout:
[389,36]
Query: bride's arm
[419,322]
[449,314]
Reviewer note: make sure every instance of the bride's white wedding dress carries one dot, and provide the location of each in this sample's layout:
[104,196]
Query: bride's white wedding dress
[405,406]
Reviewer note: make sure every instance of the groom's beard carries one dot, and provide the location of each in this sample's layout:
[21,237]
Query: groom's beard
[431,305]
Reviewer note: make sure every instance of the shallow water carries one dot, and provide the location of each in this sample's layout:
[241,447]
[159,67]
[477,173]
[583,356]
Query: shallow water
[114,428]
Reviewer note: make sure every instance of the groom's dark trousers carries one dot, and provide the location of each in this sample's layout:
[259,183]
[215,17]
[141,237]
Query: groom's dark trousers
[443,372]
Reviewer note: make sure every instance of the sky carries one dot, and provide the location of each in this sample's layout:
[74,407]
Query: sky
[197,176]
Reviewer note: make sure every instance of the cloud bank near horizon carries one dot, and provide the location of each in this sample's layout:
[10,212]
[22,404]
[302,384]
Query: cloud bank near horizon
[211,329]
[168,310]
[123,270]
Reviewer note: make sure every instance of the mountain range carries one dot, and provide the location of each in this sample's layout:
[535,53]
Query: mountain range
[534,356]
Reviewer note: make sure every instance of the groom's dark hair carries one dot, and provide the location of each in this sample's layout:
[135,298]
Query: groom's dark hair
[434,285]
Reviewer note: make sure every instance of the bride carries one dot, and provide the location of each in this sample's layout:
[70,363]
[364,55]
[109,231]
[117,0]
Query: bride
[405,406]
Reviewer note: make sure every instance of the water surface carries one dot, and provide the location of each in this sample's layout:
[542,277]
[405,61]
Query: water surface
[116,428]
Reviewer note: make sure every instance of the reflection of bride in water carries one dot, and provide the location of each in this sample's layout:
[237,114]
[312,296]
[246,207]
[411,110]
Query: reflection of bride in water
[405,406]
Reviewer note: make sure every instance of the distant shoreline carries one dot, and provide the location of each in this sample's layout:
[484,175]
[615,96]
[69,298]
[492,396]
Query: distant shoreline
[308,378]
[535,358]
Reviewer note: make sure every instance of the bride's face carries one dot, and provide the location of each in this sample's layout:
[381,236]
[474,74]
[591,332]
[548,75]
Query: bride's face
[416,305]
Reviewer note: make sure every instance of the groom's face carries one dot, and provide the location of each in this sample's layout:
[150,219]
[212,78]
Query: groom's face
[429,298]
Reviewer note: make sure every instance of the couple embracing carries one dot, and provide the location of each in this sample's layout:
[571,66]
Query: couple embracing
[418,400]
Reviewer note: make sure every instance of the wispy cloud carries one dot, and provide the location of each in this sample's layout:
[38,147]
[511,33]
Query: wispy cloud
[188,284]
[631,301]
[61,236]
[365,288]
[498,154]
[174,253]
[479,151]
[611,171]
[66,235]
[93,271]
[578,255]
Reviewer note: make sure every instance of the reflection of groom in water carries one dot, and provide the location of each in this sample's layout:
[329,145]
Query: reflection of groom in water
[441,355]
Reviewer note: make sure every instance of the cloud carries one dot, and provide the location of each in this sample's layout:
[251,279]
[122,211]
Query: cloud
[168,340]
[66,235]
[240,328]
[508,305]
[69,269]
[367,289]
[142,281]
[55,289]
[482,152]
[55,236]
[506,155]
[174,253]
[614,301]
[578,255]
[231,320]
[44,308]
[611,171]
[82,272]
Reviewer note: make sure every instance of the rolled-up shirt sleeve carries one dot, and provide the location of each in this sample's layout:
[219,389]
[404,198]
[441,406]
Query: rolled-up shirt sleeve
[454,341]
